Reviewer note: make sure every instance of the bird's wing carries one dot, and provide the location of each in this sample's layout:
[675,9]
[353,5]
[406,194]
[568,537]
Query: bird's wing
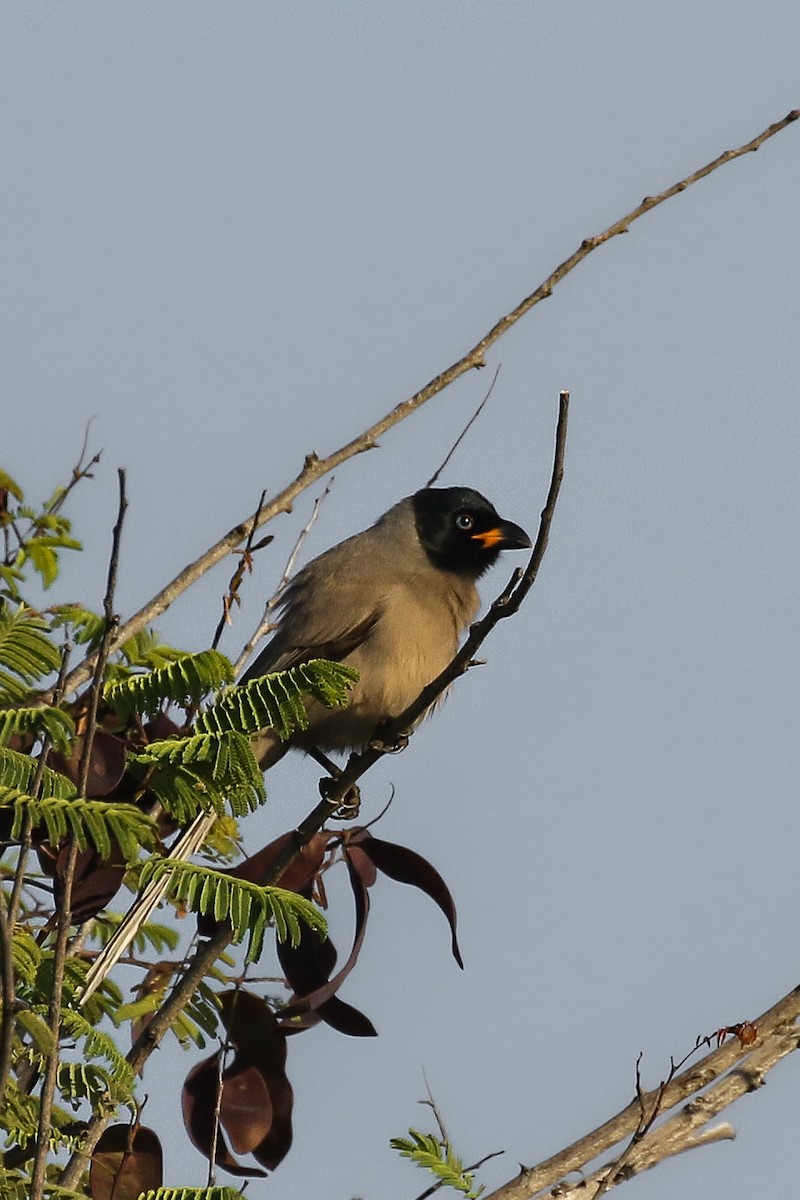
[329,610]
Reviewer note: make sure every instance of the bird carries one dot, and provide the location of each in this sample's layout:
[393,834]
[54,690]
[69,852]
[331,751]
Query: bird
[392,602]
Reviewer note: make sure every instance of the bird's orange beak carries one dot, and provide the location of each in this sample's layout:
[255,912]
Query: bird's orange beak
[505,536]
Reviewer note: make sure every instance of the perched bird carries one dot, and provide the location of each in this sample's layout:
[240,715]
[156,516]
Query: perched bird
[392,602]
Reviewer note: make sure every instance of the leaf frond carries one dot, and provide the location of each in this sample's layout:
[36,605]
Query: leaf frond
[36,720]
[276,701]
[248,907]
[184,682]
[436,1156]
[27,653]
[100,823]
[18,771]
[190,1193]
[203,771]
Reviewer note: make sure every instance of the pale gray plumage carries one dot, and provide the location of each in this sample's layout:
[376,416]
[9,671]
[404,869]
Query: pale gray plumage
[392,602]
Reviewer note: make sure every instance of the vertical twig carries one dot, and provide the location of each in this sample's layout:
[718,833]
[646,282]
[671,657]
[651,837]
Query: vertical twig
[38,1174]
[9,912]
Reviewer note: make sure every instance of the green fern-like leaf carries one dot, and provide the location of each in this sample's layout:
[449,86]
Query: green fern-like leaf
[26,956]
[276,701]
[97,822]
[248,907]
[11,485]
[21,1120]
[27,654]
[436,1156]
[18,771]
[203,772]
[184,682]
[57,724]
[146,651]
[96,1044]
[86,627]
[78,1081]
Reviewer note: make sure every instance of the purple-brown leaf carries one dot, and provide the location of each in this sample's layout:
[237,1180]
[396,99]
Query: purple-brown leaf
[126,1162]
[406,866]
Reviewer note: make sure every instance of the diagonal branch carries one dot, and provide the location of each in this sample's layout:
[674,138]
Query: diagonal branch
[733,1069]
[315,467]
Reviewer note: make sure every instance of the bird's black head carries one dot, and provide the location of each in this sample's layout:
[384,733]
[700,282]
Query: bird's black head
[461,531]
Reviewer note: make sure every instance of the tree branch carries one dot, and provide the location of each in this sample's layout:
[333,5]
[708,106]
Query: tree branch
[64,921]
[738,1067]
[315,467]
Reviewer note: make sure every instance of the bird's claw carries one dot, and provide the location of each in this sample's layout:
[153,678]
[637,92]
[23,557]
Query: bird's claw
[350,805]
[398,742]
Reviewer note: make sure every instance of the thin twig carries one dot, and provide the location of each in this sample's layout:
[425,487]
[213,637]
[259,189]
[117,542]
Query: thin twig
[79,471]
[9,996]
[245,563]
[314,467]
[265,625]
[464,431]
[35,788]
[39,1169]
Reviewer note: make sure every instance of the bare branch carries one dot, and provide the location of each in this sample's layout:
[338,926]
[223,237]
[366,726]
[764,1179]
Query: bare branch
[733,1069]
[64,921]
[314,467]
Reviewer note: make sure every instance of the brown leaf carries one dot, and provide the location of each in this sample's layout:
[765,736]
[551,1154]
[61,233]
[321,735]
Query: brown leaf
[308,965]
[198,1102]
[126,1162]
[106,763]
[96,880]
[246,1109]
[406,866]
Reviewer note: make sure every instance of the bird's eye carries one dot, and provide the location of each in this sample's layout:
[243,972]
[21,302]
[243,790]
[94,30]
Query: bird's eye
[464,521]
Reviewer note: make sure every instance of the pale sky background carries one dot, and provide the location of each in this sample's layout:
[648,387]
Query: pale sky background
[239,232]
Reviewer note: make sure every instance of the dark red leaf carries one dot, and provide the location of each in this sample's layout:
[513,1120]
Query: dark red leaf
[96,881]
[106,763]
[199,1105]
[346,1019]
[246,1108]
[406,866]
[261,1047]
[126,1162]
[307,973]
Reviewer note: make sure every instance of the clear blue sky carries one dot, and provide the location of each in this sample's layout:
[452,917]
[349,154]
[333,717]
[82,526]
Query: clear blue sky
[235,233]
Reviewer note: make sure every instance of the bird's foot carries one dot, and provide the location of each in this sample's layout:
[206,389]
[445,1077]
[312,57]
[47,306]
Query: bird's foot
[398,742]
[350,805]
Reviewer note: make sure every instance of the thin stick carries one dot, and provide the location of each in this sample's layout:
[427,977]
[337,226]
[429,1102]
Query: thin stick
[464,431]
[265,625]
[38,1174]
[315,467]
[245,563]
